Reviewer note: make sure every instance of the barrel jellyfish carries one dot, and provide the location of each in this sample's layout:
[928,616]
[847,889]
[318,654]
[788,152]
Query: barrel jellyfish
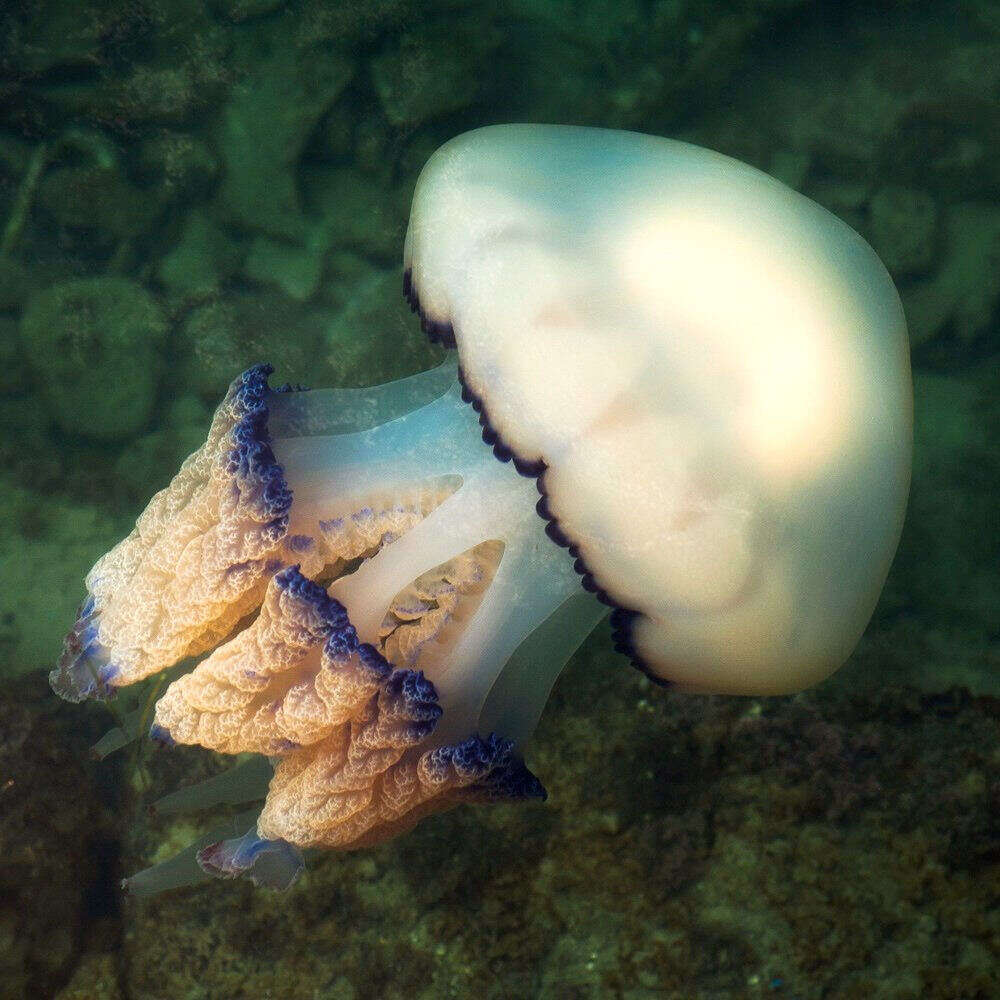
[682,392]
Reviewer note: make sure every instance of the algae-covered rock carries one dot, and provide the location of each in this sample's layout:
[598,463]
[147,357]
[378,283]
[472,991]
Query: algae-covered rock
[357,212]
[375,334]
[948,566]
[150,462]
[964,293]
[903,228]
[86,187]
[95,978]
[13,368]
[627,65]
[53,827]
[202,258]
[356,23]
[155,93]
[283,93]
[15,283]
[346,271]
[96,197]
[428,73]
[180,165]
[94,345]
[699,848]
[372,143]
[349,133]
[148,63]
[214,353]
[25,446]
[791,167]
[44,35]
[47,546]
[295,270]
[245,10]
[225,336]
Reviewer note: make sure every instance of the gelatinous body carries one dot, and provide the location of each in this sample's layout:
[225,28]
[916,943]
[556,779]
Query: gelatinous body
[689,393]
[710,370]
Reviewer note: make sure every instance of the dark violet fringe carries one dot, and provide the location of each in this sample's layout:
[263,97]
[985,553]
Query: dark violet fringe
[409,701]
[331,613]
[438,331]
[529,468]
[84,669]
[622,620]
[250,460]
[498,773]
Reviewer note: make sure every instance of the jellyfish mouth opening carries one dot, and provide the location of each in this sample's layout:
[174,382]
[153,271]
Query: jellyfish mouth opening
[377,608]
[454,569]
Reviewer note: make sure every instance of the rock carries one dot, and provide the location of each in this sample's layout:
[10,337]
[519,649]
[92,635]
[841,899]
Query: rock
[180,165]
[56,837]
[947,569]
[964,293]
[95,978]
[427,74]
[357,23]
[245,10]
[150,462]
[346,271]
[189,411]
[15,283]
[375,338]
[415,153]
[47,35]
[154,63]
[212,352]
[15,155]
[203,256]
[47,546]
[270,113]
[372,144]
[94,345]
[14,373]
[842,197]
[295,270]
[96,197]
[222,338]
[336,133]
[790,166]
[751,836]
[86,187]
[357,213]
[903,228]
[169,93]
[28,452]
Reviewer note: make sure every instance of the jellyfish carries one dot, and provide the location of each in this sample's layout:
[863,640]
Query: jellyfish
[681,394]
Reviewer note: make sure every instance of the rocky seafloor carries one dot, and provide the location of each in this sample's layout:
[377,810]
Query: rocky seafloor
[191,186]
[837,844]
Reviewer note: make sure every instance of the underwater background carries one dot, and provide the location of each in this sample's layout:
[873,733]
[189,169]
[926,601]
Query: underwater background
[191,186]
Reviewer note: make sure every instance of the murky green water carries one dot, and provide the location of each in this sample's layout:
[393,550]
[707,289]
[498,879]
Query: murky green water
[189,187]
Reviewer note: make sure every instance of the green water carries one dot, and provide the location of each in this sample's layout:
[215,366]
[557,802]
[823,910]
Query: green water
[188,187]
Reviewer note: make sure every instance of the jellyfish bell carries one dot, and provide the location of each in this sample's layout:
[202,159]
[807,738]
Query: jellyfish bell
[697,386]
[712,370]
